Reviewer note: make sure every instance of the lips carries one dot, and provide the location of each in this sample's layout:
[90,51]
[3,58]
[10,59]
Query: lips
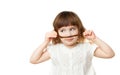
[69,39]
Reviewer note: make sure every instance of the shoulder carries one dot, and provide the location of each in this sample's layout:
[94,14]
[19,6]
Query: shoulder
[87,45]
[54,47]
[53,50]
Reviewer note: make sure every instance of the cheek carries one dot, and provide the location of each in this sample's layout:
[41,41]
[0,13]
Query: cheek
[61,34]
[76,38]
[74,32]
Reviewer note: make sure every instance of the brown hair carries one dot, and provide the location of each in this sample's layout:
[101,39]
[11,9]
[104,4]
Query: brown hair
[66,18]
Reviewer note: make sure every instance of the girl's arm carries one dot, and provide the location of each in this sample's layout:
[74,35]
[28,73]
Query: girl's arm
[103,50]
[41,54]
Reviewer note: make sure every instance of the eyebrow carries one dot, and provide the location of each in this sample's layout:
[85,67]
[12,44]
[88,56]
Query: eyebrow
[68,36]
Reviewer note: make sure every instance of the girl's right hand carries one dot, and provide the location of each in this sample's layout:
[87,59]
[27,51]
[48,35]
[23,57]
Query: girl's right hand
[50,35]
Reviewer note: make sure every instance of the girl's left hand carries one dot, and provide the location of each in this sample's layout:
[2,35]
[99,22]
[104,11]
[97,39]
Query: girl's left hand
[89,34]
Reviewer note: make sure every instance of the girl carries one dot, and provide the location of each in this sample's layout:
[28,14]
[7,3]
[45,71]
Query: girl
[69,51]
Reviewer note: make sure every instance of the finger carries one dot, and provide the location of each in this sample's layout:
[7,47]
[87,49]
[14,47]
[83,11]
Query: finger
[90,32]
[86,33]
[54,34]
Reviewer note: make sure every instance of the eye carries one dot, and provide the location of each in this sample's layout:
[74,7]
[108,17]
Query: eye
[62,30]
[72,29]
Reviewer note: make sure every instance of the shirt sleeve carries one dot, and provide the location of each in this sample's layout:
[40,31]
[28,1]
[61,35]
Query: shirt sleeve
[52,50]
[90,51]
[49,49]
[93,48]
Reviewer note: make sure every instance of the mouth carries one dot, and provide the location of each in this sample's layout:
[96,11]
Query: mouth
[68,36]
[69,39]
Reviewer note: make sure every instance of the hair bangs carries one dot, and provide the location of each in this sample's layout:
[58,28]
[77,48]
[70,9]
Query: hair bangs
[66,21]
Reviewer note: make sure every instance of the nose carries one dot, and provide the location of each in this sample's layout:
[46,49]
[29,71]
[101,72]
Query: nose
[68,33]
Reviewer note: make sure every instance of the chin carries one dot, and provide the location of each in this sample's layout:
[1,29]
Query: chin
[69,44]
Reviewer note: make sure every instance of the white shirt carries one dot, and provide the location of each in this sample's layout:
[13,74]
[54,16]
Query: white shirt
[72,61]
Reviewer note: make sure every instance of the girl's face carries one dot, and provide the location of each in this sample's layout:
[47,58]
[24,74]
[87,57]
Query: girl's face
[68,35]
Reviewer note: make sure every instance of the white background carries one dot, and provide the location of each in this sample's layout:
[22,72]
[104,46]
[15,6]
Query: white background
[23,24]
